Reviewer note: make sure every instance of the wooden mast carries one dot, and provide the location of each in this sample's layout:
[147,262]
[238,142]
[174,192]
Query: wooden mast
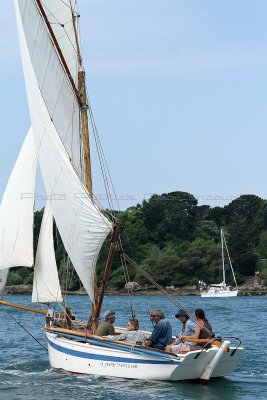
[96,306]
[112,248]
[81,96]
[98,300]
[87,170]
[84,116]
[85,133]
[86,150]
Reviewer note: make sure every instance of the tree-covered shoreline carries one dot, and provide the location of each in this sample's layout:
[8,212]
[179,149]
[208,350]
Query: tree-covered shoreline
[177,242]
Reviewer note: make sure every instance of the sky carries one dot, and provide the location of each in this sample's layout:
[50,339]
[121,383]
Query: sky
[178,90]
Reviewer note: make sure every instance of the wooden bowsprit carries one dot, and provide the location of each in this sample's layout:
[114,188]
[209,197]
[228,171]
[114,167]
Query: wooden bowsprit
[32,309]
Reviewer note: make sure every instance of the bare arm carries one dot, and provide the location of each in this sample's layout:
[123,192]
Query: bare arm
[195,336]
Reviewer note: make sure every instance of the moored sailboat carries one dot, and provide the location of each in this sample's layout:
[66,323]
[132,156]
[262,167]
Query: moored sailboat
[59,141]
[221,289]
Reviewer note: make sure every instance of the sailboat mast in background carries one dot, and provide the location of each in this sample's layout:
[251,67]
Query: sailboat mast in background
[220,289]
[223,266]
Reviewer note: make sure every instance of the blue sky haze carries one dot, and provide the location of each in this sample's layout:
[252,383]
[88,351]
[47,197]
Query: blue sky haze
[178,90]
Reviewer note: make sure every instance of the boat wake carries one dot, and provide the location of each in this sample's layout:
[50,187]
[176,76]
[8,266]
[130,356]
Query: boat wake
[29,367]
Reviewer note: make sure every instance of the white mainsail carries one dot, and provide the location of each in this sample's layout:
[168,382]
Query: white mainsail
[63,16]
[82,226]
[51,78]
[46,286]
[16,210]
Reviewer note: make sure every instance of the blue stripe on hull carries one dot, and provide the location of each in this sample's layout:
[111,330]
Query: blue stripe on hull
[99,357]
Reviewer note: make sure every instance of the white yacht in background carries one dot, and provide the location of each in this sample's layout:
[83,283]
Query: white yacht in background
[220,289]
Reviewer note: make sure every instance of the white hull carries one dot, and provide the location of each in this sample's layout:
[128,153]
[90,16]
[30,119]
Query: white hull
[221,293]
[86,358]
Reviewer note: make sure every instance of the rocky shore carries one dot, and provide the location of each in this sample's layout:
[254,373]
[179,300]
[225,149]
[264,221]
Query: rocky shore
[252,287]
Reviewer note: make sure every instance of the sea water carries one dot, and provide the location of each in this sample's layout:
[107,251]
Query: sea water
[26,374]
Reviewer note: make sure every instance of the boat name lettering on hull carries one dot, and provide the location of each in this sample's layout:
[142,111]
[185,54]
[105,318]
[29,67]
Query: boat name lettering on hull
[117,364]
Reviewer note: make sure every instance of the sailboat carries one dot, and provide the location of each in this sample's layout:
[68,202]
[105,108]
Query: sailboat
[58,140]
[221,289]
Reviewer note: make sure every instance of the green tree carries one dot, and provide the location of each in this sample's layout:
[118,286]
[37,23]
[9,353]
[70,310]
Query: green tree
[217,215]
[170,216]
[262,246]
[176,241]
[207,230]
[14,279]
[241,248]
[161,264]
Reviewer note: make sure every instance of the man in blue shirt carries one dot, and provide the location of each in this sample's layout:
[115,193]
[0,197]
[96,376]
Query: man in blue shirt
[162,333]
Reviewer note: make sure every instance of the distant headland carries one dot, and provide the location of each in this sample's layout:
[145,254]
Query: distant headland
[252,287]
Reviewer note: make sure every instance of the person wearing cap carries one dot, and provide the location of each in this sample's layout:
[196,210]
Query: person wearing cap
[188,329]
[106,327]
[162,333]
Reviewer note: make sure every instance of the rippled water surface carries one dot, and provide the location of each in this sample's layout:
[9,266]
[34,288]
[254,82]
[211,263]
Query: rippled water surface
[25,372]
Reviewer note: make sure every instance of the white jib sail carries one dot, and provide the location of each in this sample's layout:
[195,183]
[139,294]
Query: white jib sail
[16,210]
[3,279]
[82,226]
[46,286]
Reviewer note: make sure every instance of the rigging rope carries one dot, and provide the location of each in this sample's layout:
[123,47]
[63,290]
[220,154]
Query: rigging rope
[109,187]
[174,301]
[26,330]
[127,280]
[62,24]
